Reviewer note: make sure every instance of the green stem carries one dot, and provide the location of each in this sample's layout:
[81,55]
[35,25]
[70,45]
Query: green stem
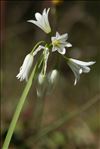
[36,46]
[65,57]
[18,110]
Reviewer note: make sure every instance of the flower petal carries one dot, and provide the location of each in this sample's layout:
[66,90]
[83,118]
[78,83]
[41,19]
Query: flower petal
[75,70]
[68,45]
[54,49]
[38,16]
[86,69]
[48,11]
[62,51]
[45,20]
[25,68]
[57,34]
[83,63]
[36,23]
[63,37]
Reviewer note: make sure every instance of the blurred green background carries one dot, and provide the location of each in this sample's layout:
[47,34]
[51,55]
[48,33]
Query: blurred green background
[81,20]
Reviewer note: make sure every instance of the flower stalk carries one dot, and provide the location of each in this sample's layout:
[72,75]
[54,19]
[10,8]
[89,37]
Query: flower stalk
[18,110]
[37,46]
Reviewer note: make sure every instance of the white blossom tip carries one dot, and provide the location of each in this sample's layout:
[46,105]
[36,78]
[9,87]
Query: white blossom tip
[25,68]
[42,21]
[41,78]
[78,67]
[69,45]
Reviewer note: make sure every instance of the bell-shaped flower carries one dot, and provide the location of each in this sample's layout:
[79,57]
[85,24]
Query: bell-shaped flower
[42,21]
[59,43]
[25,68]
[79,67]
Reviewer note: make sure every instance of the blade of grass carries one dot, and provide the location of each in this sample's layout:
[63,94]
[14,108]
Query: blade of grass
[18,110]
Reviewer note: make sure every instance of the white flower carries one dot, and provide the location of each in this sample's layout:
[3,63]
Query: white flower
[25,68]
[79,67]
[59,43]
[42,21]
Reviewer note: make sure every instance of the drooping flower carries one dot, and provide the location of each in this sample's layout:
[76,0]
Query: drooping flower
[25,68]
[79,67]
[59,43]
[42,21]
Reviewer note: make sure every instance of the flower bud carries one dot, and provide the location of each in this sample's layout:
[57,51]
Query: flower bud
[41,78]
[53,76]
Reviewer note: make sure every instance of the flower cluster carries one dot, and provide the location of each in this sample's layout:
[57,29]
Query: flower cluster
[58,43]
